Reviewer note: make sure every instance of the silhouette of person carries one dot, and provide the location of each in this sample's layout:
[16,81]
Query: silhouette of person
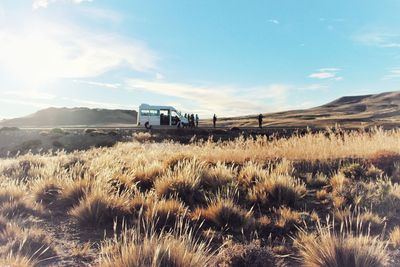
[192,120]
[214,120]
[260,120]
[197,120]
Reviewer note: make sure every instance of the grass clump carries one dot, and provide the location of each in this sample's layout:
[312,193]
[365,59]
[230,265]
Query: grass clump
[276,191]
[135,249]
[224,215]
[183,183]
[99,209]
[328,248]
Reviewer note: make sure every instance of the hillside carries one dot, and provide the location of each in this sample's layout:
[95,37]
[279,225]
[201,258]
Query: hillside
[52,117]
[349,111]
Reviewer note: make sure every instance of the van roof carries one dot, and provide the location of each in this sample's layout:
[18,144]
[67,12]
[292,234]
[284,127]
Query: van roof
[147,106]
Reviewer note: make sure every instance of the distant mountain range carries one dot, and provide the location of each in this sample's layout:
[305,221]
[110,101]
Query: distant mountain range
[348,111]
[59,117]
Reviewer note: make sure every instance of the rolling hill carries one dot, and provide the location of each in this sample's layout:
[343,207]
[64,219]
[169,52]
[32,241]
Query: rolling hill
[348,111]
[58,117]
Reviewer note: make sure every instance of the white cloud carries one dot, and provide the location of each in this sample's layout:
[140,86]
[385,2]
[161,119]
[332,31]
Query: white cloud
[326,73]
[36,4]
[379,39]
[223,100]
[99,84]
[46,51]
[159,76]
[30,94]
[322,75]
[394,73]
[274,21]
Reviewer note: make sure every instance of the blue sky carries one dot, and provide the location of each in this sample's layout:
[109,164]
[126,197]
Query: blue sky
[223,57]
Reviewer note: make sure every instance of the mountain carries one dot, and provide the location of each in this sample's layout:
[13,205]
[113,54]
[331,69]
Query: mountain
[57,117]
[348,111]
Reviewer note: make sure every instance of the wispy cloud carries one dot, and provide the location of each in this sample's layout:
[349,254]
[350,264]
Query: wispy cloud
[274,21]
[99,84]
[223,100]
[48,50]
[379,39]
[30,94]
[36,4]
[394,73]
[326,73]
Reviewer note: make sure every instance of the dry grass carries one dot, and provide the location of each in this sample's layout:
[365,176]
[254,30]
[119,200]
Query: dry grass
[328,248]
[133,249]
[243,190]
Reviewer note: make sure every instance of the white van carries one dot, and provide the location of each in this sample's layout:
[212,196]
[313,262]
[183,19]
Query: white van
[166,116]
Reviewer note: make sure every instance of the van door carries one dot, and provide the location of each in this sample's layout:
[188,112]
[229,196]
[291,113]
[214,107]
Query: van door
[165,116]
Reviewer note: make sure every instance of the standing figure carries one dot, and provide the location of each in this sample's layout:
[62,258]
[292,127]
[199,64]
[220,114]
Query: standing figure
[260,120]
[214,120]
[192,120]
[197,120]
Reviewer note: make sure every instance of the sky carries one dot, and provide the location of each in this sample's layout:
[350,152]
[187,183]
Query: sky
[225,57]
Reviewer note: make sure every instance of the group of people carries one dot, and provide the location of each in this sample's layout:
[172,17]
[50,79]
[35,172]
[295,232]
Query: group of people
[193,120]
[260,120]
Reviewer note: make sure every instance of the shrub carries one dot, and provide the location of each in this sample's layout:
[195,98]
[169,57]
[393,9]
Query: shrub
[249,255]
[20,209]
[72,193]
[142,136]
[57,131]
[288,219]
[277,190]
[224,215]
[251,174]
[317,181]
[33,244]
[217,177]
[327,248]
[46,191]
[354,171]
[183,183]
[145,176]
[385,160]
[99,209]
[395,237]
[151,249]
[165,214]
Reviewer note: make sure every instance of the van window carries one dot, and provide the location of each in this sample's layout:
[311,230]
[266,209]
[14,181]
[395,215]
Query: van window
[144,112]
[149,112]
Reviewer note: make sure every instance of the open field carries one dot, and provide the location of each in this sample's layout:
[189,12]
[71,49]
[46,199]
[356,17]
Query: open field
[314,199]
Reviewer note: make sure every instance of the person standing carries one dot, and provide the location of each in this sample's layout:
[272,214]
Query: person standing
[197,120]
[214,120]
[260,120]
[192,120]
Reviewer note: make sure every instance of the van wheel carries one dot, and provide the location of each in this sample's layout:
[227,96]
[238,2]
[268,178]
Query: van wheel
[147,125]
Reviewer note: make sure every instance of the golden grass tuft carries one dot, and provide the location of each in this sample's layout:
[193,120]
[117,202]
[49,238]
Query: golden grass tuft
[394,237]
[135,249]
[183,183]
[99,209]
[328,248]
[276,191]
[224,215]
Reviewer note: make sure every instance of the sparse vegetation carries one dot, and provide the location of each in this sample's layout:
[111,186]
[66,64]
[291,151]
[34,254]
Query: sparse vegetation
[232,203]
